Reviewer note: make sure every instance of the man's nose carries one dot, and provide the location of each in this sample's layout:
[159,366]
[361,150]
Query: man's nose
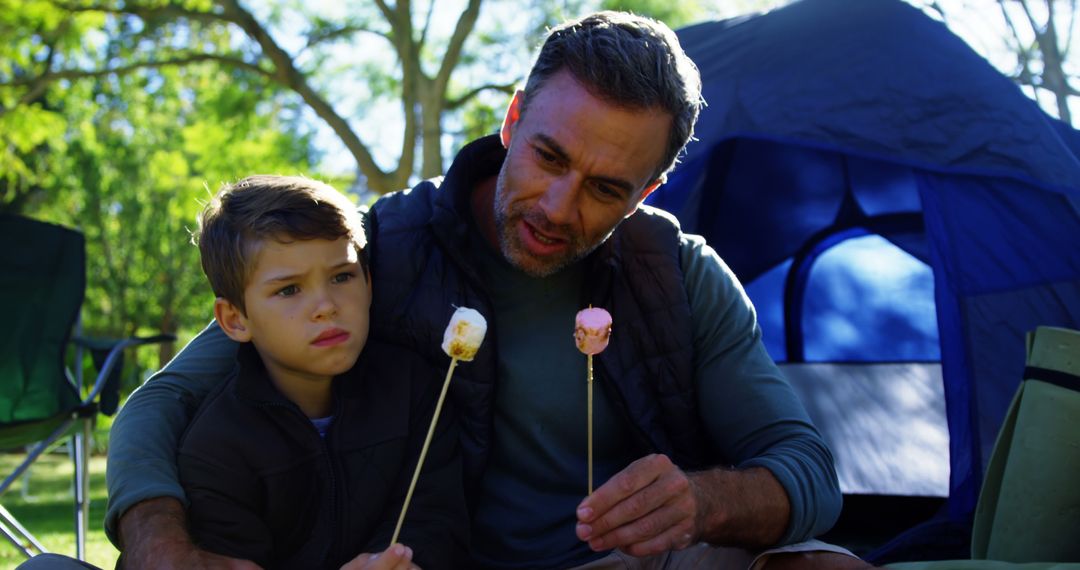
[560,201]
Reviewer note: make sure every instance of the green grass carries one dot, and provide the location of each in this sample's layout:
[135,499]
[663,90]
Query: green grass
[48,512]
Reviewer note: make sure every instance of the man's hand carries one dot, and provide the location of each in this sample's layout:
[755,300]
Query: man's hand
[397,557]
[652,506]
[647,508]
[153,534]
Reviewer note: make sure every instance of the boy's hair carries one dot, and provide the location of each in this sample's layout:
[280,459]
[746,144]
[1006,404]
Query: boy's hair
[263,207]
[628,60]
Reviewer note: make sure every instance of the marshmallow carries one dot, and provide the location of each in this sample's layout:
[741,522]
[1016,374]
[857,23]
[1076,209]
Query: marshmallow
[464,334]
[592,330]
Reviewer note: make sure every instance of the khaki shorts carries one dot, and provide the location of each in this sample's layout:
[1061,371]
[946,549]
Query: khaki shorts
[705,556]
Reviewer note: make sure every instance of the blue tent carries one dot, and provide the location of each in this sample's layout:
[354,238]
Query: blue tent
[868,127]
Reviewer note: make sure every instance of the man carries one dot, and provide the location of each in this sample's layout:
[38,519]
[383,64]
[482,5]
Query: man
[706,455]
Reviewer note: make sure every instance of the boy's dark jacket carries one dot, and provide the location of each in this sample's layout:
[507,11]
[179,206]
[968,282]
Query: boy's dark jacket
[265,487]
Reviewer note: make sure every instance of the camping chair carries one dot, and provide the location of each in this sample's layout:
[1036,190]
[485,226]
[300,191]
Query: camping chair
[1028,515]
[42,281]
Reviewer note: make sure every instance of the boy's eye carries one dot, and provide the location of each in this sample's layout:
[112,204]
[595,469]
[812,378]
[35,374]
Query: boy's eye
[288,291]
[342,277]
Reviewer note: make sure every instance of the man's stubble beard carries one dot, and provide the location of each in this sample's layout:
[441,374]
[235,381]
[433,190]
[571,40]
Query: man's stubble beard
[509,242]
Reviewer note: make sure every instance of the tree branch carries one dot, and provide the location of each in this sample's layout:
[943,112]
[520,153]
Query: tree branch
[1031,18]
[412,76]
[1072,26]
[169,11]
[37,84]
[50,76]
[286,74]
[507,88]
[386,11]
[937,8]
[1053,64]
[1023,56]
[466,22]
[1009,24]
[427,22]
[329,35]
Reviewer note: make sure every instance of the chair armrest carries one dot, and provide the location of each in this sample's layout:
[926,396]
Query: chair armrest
[116,348]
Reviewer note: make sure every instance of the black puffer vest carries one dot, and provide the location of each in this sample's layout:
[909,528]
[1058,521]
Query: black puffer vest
[422,270]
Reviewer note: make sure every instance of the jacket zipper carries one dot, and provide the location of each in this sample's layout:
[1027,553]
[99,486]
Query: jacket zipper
[335,545]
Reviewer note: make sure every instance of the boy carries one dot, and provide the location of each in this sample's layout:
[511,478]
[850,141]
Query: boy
[301,459]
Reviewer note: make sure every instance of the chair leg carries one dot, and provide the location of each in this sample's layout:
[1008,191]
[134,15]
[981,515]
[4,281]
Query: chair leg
[33,455]
[18,535]
[82,486]
[9,526]
[25,490]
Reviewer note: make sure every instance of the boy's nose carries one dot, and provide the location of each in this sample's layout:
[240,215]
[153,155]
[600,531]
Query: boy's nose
[325,308]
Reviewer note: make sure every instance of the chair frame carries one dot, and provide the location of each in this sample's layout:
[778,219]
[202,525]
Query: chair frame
[85,413]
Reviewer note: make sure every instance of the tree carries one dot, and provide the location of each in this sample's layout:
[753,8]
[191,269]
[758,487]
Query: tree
[31,125]
[423,84]
[146,161]
[1029,42]
[126,155]
[1041,63]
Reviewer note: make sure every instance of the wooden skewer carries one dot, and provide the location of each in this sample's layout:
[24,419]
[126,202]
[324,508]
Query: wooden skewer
[423,451]
[590,422]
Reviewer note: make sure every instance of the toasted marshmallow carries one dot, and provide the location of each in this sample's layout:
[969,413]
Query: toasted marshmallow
[592,330]
[464,334]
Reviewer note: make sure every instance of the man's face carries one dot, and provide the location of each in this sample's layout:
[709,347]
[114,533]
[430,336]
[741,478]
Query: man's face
[307,308]
[575,167]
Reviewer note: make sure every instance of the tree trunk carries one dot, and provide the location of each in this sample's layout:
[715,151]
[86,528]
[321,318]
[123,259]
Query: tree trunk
[167,350]
[431,104]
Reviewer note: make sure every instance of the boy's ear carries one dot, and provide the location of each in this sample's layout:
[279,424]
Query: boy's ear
[231,320]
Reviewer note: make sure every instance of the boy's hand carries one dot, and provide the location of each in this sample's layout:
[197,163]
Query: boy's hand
[397,557]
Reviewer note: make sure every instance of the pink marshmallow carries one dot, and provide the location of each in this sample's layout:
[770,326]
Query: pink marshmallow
[592,330]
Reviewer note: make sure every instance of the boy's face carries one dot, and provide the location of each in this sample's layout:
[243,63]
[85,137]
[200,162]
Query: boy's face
[307,309]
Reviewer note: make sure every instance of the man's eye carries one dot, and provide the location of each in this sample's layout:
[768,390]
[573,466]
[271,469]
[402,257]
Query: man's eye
[288,291]
[343,277]
[609,191]
[546,156]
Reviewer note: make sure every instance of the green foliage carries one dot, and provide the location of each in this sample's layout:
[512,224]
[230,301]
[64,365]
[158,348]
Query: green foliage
[674,14]
[480,119]
[129,159]
[31,128]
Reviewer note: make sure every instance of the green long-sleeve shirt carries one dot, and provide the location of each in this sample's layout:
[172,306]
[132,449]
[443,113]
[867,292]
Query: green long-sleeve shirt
[537,471]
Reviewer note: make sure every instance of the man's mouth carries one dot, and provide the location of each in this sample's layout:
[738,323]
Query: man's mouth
[539,242]
[543,238]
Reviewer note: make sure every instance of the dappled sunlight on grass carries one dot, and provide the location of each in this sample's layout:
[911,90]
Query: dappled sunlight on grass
[47,509]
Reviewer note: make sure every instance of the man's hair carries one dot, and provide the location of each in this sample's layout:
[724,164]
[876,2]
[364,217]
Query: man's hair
[258,208]
[630,61]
